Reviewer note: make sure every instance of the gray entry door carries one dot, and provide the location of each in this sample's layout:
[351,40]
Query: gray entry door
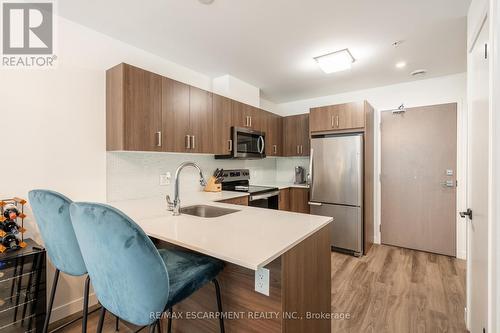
[418,178]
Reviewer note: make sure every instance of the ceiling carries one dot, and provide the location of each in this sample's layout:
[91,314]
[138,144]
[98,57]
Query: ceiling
[271,43]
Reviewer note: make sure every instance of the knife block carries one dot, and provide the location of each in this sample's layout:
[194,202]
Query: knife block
[212,186]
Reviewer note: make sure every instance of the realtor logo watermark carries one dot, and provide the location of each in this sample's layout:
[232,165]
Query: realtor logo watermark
[28,34]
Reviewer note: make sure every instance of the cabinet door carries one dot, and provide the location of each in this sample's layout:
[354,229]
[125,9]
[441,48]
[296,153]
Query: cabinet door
[284,199]
[299,200]
[142,110]
[241,114]
[175,112]
[303,135]
[201,120]
[274,135]
[322,119]
[258,119]
[290,141]
[351,116]
[223,120]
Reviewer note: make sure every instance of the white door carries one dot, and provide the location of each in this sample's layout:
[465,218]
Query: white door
[477,196]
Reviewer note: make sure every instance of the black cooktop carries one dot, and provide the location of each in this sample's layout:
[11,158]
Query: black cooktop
[239,181]
[250,189]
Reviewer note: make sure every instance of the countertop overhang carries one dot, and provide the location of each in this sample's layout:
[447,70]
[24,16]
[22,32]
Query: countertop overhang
[251,238]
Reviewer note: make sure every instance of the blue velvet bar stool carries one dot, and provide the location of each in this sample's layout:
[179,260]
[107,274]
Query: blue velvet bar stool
[132,278]
[51,211]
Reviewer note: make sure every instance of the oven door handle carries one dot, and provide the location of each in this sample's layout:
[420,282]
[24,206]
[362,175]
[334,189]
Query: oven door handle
[264,196]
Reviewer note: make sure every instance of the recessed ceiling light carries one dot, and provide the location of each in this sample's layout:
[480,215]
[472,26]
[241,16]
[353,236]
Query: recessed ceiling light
[401,64]
[336,61]
[206,2]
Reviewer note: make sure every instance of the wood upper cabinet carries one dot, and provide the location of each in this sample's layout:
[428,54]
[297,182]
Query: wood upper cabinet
[299,200]
[187,118]
[133,109]
[245,115]
[296,140]
[175,110]
[222,120]
[338,117]
[201,120]
[274,135]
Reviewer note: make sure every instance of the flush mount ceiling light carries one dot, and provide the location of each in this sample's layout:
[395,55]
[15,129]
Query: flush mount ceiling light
[401,64]
[206,2]
[336,61]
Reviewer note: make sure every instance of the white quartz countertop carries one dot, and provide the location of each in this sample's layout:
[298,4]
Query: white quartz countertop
[251,237]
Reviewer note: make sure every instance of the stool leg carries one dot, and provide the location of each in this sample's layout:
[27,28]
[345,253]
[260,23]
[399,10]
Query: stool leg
[85,304]
[219,305]
[51,302]
[152,327]
[170,318]
[101,319]
[117,324]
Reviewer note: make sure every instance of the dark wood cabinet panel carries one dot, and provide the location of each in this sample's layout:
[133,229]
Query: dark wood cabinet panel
[222,122]
[296,140]
[284,199]
[258,119]
[133,100]
[274,133]
[175,110]
[201,120]
[241,114]
[345,116]
[299,200]
[242,201]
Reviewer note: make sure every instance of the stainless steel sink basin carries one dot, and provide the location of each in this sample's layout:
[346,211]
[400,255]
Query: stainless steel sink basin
[207,211]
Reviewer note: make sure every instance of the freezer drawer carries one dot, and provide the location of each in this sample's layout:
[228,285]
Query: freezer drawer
[347,231]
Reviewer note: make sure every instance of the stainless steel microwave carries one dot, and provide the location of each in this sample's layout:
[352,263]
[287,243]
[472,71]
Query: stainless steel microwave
[246,143]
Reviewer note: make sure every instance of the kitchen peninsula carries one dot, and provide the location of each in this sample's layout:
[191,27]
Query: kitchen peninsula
[294,247]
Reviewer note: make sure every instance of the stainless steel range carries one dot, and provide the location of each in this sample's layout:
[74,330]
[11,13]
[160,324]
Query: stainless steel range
[259,196]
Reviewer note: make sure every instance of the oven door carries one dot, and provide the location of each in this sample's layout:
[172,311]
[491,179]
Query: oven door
[268,200]
[249,143]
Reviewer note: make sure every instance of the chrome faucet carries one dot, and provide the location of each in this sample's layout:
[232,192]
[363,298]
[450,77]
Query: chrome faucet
[175,206]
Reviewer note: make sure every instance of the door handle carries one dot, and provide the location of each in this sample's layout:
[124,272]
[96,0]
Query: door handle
[188,142]
[466,213]
[333,119]
[250,121]
[315,203]
[298,149]
[337,121]
[192,142]
[230,145]
[275,149]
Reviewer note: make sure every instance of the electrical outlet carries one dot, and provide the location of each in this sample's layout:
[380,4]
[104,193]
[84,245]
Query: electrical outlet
[262,281]
[165,179]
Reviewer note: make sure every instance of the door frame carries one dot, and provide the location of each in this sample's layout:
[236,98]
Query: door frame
[461,163]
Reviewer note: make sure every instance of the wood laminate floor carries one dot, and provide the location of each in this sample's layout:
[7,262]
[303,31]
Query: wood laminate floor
[390,290]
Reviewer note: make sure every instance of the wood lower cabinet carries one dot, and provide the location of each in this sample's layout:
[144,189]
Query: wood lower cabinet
[133,104]
[284,199]
[299,200]
[345,116]
[222,121]
[296,141]
[242,201]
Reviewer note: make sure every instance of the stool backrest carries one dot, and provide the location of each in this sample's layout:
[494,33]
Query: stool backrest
[51,211]
[127,272]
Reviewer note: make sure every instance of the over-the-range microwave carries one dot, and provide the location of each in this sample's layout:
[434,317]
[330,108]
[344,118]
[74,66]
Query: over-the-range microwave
[245,143]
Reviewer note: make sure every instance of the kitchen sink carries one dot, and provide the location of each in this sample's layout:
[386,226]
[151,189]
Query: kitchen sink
[207,211]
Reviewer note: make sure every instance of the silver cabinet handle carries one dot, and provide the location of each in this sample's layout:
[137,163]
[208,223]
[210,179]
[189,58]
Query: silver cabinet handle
[230,145]
[301,149]
[298,149]
[158,139]
[188,142]
[333,119]
[337,121]
[247,124]
[315,203]
[192,142]
[275,149]
[250,121]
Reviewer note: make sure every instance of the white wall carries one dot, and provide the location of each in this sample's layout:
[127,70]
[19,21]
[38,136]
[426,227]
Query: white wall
[234,88]
[417,93]
[53,125]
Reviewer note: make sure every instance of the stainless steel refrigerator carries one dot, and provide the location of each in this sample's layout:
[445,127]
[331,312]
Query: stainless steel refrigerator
[336,180]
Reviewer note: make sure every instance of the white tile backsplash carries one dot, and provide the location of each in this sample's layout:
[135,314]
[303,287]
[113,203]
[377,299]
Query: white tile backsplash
[285,168]
[132,175]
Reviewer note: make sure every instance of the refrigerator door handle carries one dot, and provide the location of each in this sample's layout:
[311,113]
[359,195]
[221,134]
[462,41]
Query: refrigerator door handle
[315,203]
[310,174]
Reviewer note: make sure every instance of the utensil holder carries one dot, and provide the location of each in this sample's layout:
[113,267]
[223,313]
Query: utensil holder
[212,186]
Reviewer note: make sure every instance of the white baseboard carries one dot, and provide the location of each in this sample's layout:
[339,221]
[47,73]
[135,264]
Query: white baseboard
[65,310]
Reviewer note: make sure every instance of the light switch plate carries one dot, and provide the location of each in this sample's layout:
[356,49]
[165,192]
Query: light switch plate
[165,179]
[262,281]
